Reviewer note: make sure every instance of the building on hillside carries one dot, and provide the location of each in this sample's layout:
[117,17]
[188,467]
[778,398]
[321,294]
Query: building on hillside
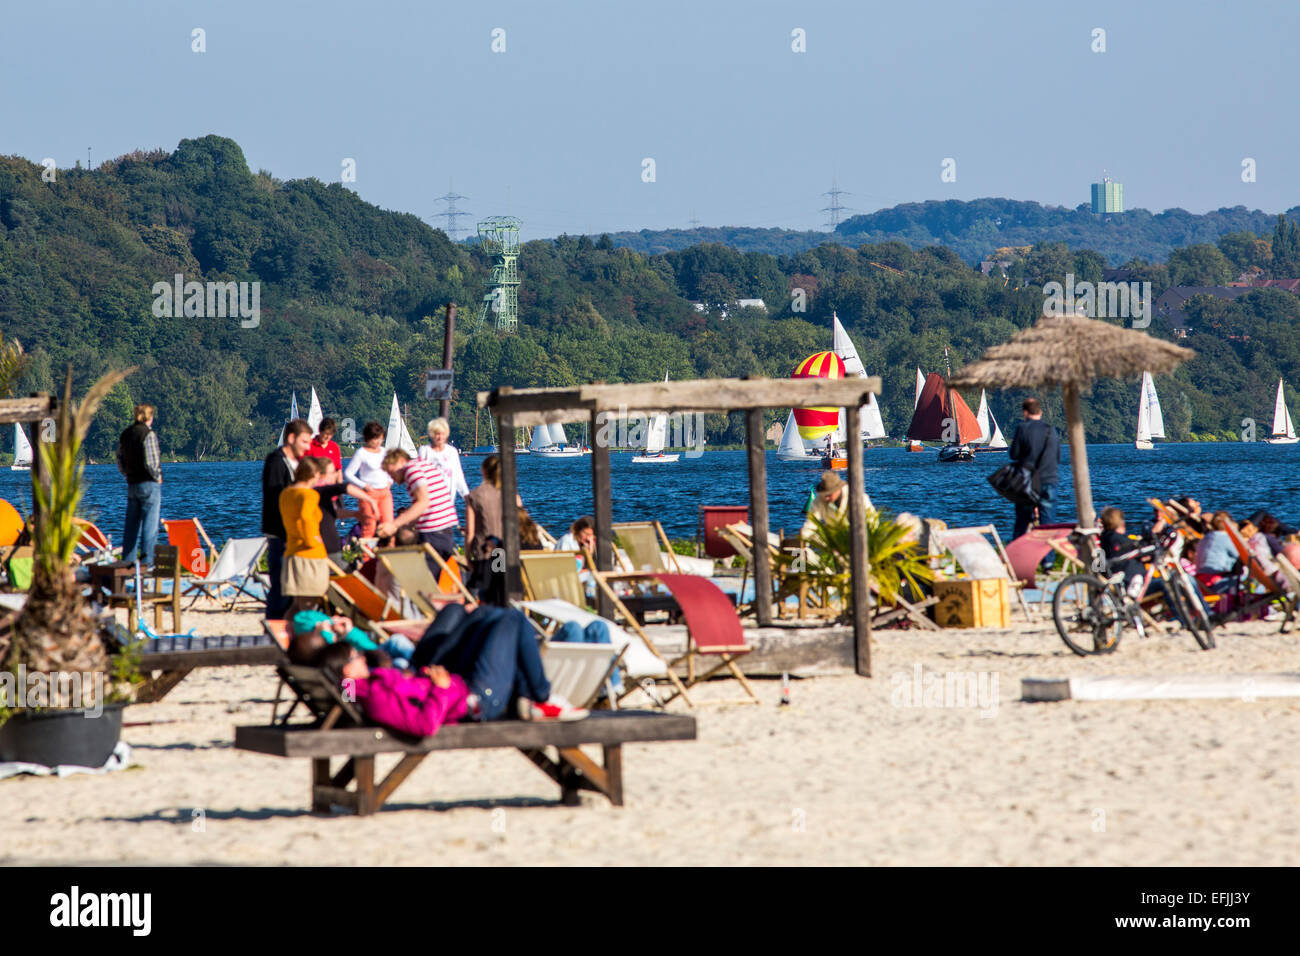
[738,304]
[1107,197]
[1173,303]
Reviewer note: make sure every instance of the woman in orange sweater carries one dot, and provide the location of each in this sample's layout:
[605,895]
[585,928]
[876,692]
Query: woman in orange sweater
[306,573]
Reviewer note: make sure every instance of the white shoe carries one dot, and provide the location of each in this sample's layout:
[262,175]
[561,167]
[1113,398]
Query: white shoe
[557,708]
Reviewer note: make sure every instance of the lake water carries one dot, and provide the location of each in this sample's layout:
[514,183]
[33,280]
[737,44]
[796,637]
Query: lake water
[1236,476]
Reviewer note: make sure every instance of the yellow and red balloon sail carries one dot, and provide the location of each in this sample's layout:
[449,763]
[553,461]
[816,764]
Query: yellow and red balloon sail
[817,423]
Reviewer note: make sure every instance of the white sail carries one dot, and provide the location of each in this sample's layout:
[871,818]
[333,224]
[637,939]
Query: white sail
[556,431]
[997,441]
[1153,403]
[792,446]
[541,438]
[314,414]
[1282,426]
[398,436]
[870,423]
[657,434]
[982,416]
[1144,414]
[22,448]
[920,386]
[293,413]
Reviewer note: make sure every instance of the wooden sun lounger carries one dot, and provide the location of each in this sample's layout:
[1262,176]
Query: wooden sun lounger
[340,732]
[166,661]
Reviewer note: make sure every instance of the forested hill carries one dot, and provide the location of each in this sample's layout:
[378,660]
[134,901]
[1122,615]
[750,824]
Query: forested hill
[351,301]
[975,229]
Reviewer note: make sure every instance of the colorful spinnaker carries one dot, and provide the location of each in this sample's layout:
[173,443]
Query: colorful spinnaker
[815,423]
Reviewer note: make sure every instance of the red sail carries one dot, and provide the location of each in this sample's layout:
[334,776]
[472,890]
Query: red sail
[936,409]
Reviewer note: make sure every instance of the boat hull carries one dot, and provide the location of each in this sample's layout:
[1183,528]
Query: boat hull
[545,453]
[914,446]
[1282,440]
[1141,445]
[654,459]
[834,462]
[20,467]
[956,453]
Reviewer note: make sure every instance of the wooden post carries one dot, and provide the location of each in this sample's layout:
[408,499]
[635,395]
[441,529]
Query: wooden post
[603,510]
[509,510]
[758,514]
[38,466]
[859,560]
[1079,468]
[448,348]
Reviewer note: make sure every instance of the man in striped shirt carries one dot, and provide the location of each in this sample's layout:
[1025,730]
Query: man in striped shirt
[432,512]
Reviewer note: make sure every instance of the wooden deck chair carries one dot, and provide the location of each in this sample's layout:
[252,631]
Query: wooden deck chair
[579,672]
[166,568]
[713,630]
[195,548]
[235,567]
[979,559]
[810,599]
[554,574]
[1273,592]
[642,541]
[410,569]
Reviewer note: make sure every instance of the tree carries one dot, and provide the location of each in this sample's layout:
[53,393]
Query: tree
[1201,264]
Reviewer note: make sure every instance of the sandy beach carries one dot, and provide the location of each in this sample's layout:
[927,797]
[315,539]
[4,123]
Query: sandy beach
[849,773]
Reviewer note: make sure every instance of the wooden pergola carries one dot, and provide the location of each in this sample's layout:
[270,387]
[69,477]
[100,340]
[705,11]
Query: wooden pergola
[528,407]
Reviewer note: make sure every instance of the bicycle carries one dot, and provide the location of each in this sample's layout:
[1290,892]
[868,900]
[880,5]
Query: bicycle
[1091,609]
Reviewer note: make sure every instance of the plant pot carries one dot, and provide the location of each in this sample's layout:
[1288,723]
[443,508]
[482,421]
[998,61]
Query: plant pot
[61,736]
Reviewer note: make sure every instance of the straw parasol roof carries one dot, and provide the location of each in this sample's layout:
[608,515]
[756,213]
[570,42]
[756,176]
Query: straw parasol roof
[1073,352]
[1070,350]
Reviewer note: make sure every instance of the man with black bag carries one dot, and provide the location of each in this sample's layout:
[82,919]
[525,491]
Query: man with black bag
[1036,448]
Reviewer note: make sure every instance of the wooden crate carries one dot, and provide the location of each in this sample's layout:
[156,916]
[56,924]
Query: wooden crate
[970,603]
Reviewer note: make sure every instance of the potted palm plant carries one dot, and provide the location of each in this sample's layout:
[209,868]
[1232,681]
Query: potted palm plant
[68,705]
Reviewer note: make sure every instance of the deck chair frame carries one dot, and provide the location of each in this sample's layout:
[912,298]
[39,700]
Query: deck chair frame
[671,564]
[1012,578]
[201,587]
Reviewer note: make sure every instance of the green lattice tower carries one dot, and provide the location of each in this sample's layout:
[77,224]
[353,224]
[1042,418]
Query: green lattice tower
[499,236]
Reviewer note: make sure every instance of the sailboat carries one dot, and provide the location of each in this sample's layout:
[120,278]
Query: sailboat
[549,441]
[655,439]
[314,415]
[1283,429]
[1151,423]
[293,413]
[912,444]
[398,436]
[988,440]
[938,411]
[870,423]
[22,450]
[490,449]
[792,445]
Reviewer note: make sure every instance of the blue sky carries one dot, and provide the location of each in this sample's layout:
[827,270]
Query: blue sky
[743,130]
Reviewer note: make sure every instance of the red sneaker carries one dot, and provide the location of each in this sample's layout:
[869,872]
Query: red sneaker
[557,708]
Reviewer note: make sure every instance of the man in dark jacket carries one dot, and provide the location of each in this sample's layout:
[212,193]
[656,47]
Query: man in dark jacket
[140,462]
[1036,445]
[277,474]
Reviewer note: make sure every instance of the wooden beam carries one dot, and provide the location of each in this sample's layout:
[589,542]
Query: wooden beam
[536,405]
[859,560]
[34,408]
[509,510]
[1079,469]
[758,515]
[603,511]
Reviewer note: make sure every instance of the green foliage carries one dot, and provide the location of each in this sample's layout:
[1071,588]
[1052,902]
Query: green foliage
[893,559]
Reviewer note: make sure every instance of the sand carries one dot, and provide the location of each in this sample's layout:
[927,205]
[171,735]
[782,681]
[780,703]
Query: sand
[848,774]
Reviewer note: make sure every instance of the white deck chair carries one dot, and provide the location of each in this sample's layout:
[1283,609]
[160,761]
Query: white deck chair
[579,672]
[235,567]
[638,660]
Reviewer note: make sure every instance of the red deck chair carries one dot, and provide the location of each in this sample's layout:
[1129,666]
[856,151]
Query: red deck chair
[713,628]
[92,542]
[353,595]
[1026,551]
[712,519]
[184,536]
[1272,590]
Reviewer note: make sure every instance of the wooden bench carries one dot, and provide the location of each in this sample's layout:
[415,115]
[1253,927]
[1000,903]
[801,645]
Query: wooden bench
[338,731]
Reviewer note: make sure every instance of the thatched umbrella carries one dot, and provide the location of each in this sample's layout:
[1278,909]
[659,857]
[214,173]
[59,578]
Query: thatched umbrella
[1072,352]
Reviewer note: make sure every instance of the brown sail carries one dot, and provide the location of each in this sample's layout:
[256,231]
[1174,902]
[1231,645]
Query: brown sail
[936,408]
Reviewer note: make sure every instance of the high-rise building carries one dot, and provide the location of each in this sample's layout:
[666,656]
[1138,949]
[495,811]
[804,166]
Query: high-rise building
[1107,196]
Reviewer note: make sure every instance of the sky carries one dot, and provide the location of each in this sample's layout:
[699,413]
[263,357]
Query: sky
[556,124]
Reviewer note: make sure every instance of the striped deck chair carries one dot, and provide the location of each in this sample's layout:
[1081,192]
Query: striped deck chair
[93,544]
[713,630]
[354,596]
[642,541]
[235,567]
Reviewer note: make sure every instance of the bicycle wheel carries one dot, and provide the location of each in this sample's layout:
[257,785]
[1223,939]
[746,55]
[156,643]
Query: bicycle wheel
[1189,609]
[1087,615]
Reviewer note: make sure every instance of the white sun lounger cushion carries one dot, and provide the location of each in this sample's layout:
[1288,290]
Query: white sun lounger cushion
[638,660]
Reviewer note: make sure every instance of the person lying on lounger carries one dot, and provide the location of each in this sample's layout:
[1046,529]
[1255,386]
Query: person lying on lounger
[340,629]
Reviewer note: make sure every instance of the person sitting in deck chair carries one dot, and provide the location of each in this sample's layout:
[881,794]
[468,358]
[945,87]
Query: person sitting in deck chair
[828,501]
[338,628]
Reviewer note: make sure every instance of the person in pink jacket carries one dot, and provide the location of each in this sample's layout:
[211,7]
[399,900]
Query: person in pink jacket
[417,704]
